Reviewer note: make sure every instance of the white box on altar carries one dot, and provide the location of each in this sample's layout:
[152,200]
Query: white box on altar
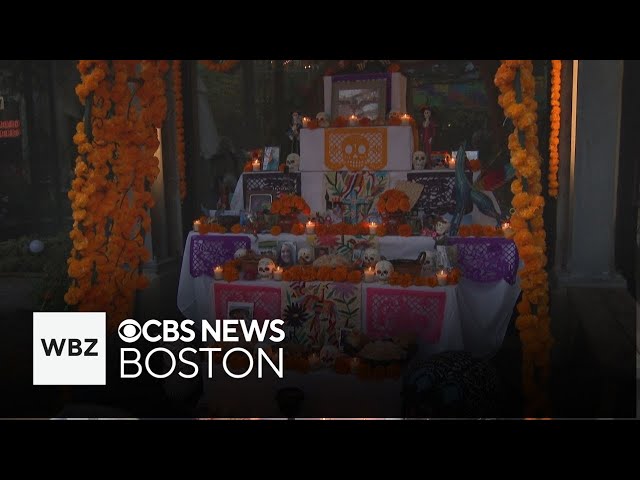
[395,94]
[356,148]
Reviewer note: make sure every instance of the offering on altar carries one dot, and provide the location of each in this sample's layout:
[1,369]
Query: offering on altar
[442,278]
[371,257]
[217,273]
[305,256]
[369,275]
[277,273]
[419,160]
[382,351]
[266,266]
[293,162]
[323,120]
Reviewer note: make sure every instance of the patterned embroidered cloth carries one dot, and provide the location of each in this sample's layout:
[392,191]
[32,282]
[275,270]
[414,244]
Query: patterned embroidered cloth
[485,259]
[209,251]
[391,312]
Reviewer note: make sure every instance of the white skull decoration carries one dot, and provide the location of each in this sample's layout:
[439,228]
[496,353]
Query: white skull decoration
[429,263]
[241,252]
[305,257]
[384,269]
[323,119]
[293,162]
[419,160]
[266,268]
[371,257]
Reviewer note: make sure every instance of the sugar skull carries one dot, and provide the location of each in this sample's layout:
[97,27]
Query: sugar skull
[371,257]
[305,257]
[323,119]
[241,252]
[293,162]
[266,266]
[419,160]
[429,263]
[384,269]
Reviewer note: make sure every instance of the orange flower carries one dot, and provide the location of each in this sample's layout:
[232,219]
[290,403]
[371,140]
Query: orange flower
[237,228]
[298,229]
[381,231]
[364,121]
[405,230]
[394,121]
[312,124]
[355,276]
[432,281]
[394,67]
[340,122]
[474,165]
[276,230]
[340,274]
[281,167]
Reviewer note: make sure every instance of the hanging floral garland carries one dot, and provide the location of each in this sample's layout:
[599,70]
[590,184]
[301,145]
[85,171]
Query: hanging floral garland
[125,104]
[177,95]
[554,141]
[516,83]
[219,65]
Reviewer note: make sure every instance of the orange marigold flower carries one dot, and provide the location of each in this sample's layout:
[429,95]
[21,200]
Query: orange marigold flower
[276,230]
[340,274]
[298,229]
[237,228]
[355,276]
[405,230]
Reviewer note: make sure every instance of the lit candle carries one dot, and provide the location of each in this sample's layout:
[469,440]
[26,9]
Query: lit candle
[369,275]
[196,226]
[452,162]
[256,165]
[305,121]
[314,361]
[217,273]
[353,121]
[372,228]
[442,278]
[311,227]
[507,230]
[277,273]
[405,119]
[355,363]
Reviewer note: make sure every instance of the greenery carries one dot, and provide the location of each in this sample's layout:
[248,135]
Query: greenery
[51,264]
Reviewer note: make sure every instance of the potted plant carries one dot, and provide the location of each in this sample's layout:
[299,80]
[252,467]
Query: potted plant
[288,207]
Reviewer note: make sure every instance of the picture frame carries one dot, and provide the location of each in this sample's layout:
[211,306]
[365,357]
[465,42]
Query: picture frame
[287,254]
[240,311]
[271,158]
[360,95]
[259,201]
[344,333]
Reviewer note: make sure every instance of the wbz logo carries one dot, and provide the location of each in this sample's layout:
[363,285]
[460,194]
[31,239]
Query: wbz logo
[69,348]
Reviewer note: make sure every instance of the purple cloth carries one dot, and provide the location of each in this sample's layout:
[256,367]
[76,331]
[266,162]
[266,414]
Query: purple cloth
[209,251]
[487,259]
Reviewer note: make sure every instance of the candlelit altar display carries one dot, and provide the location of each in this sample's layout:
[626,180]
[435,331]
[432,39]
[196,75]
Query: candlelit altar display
[354,238]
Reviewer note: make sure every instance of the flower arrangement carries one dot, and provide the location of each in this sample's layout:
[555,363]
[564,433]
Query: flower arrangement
[290,204]
[276,230]
[237,228]
[554,156]
[405,230]
[206,226]
[533,320]
[125,104]
[177,95]
[393,201]
[230,270]
[307,273]
[342,229]
[298,229]
[406,280]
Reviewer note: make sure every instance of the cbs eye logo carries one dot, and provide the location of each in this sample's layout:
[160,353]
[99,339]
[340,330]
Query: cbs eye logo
[129,331]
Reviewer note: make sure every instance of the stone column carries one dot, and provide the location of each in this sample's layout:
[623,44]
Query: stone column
[587,207]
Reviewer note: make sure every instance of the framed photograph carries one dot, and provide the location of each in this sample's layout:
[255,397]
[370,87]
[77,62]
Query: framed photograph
[258,202]
[271,159]
[361,95]
[240,311]
[268,248]
[287,254]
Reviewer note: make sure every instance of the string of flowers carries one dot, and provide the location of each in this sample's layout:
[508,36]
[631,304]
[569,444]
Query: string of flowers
[177,95]
[516,83]
[219,66]
[406,279]
[125,104]
[477,230]
[554,140]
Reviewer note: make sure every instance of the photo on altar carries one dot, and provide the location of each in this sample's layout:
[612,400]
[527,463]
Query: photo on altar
[240,311]
[287,254]
[260,202]
[271,159]
[268,248]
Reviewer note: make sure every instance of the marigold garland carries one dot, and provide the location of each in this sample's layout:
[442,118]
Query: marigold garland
[289,204]
[516,83]
[125,104]
[219,66]
[554,137]
[176,72]
[477,230]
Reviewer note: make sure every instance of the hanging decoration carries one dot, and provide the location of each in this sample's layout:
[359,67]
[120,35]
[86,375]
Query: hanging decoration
[125,104]
[516,83]
[554,140]
[222,66]
[176,72]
